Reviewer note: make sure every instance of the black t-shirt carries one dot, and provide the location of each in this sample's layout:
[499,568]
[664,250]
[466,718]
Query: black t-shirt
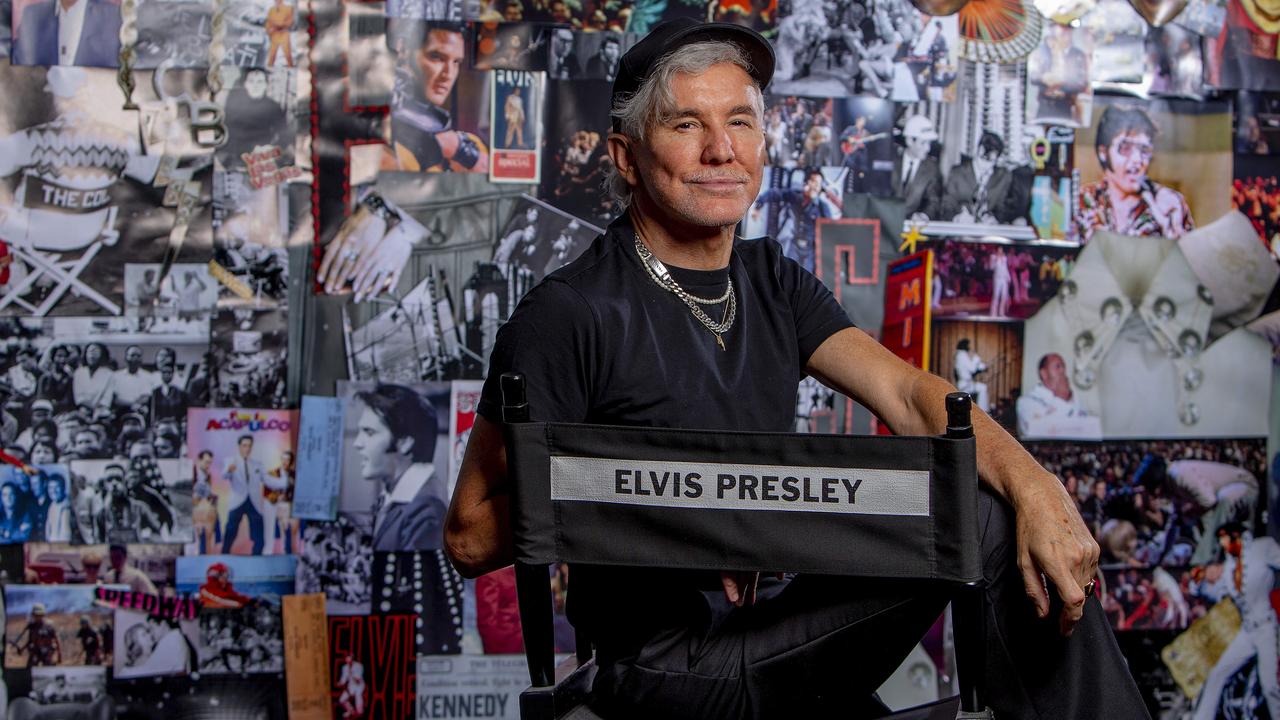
[600,342]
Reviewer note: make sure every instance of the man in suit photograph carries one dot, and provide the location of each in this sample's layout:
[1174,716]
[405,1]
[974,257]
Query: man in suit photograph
[247,477]
[979,189]
[917,178]
[68,32]
[396,441]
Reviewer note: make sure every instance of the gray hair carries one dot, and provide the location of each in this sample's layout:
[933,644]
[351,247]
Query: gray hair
[654,101]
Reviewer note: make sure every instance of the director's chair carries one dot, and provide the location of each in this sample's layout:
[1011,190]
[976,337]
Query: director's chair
[913,516]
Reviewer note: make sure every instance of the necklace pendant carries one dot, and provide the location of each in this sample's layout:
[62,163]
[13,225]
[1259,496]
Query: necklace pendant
[720,340]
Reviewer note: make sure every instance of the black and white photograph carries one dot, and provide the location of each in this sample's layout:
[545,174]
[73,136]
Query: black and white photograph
[983,359]
[259,124]
[426,9]
[575,156]
[998,281]
[35,504]
[410,339]
[265,33]
[136,499]
[370,61]
[337,560]
[65,246]
[439,104]
[38,33]
[600,52]
[174,32]
[395,461]
[248,356]
[511,46]
[539,238]
[884,48]
[1058,72]
[194,697]
[251,230]
[425,584]
[1130,327]
[64,692]
[1203,17]
[243,640]
[183,292]
[148,645]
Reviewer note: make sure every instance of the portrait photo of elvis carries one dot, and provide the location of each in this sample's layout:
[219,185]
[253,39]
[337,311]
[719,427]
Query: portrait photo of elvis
[1126,200]
[423,135]
[1059,73]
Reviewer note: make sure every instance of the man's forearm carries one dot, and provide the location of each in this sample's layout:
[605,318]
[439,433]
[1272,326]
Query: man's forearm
[478,540]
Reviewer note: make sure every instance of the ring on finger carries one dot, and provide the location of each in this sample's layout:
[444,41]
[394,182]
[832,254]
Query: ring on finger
[1089,587]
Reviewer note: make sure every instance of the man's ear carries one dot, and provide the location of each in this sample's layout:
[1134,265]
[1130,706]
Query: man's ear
[622,153]
[404,445]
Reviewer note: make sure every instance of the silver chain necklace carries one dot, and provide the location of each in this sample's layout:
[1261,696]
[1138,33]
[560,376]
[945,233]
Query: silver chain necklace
[660,275]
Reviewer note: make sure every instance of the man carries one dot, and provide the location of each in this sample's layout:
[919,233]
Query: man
[513,112]
[122,573]
[132,384]
[247,477]
[168,401]
[1060,72]
[979,190]
[798,215]
[218,591]
[68,32]
[147,291]
[278,26]
[41,412]
[1051,408]
[597,341]
[1126,200]
[396,441]
[90,643]
[563,62]
[24,377]
[1247,575]
[42,646]
[604,64]
[966,367]
[917,177]
[57,523]
[422,135]
[855,154]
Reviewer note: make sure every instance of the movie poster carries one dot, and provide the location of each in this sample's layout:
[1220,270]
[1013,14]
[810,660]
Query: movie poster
[372,666]
[48,625]
[516,127]
[244,473]
[395,457]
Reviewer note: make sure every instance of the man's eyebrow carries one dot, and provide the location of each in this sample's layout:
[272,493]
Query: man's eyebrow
[694,113]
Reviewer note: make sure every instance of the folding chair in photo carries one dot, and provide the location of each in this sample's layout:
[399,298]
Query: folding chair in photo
[905,508]
[53,266]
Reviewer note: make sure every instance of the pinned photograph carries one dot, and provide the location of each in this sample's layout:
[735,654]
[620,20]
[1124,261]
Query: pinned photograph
[66,244]
[1151,598]
[464,399]
[174,32]
[185,291]
[790,205]
[142,568]
[852,133]
[539,239]
[575,156]
[996,281]
[1203,17]
[35,507]
[1173,56]
[1052,189]
[250,241]
[599,53]
[36,40]
[1118,33]
[1160,503]
[249,639]
[245,473]
[517,127]
[248,349]
[265,33]
[590,16]
[147,645]
[1242,55]
[426,585]
[337,560]
[410,339]
[222,582]
[257,105]
[1135,179]
[511,46]
[369,649]
[885,48]
[1256,193]
[47,625]
[426,9]
[134,499]
[983,359]
[439,107]
[1058,72]
[56,692]
[395,456]
[1257,123]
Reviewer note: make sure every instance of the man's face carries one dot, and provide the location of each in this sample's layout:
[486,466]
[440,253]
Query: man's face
[375,445]
[561,43]
[439,61]
[85,443]
[610,51]
[918,147]
[812,186]
[255,84]
[133,358]
[1129,156]
[1054,377]
[166,374]
[205,461]
[246,447]
[704,165]
[39,415]
[56,491]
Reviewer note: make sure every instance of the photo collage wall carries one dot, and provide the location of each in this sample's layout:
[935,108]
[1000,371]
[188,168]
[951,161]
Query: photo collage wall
[197,194]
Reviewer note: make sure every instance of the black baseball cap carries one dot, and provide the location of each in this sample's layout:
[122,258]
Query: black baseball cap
[637,64]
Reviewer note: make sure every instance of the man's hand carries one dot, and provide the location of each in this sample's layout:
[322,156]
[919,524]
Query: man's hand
[1167,210]
[367,255]
[1053,545]
[740,587]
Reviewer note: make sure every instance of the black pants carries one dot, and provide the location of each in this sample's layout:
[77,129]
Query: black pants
[819,646]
